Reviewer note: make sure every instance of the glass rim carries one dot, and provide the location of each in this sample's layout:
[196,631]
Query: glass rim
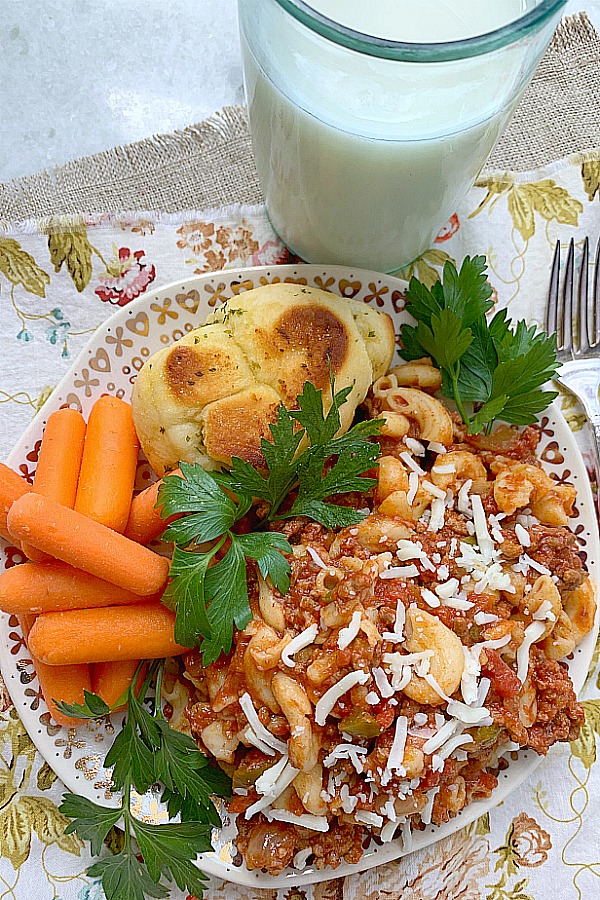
[403,51]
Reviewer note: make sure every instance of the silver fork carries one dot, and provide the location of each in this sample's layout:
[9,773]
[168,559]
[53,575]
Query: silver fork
[577,328]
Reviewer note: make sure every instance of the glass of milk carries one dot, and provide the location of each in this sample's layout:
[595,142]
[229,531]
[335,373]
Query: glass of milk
[371,119]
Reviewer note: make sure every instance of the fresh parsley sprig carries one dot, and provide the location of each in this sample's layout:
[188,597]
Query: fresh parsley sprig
[208,580]
[492,369]
[147,750]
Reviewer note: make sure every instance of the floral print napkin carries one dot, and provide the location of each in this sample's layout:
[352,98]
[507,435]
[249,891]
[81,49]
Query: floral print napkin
[59,279]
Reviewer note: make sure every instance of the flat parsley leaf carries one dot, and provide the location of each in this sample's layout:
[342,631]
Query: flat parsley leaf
[211,511]
[147,750]
[186,594]
[93,707]
[226,585]
[496,366]
[208,586]
[93,821]
[169,852]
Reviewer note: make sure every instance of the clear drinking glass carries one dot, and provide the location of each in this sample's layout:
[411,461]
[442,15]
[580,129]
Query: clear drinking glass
[365,146]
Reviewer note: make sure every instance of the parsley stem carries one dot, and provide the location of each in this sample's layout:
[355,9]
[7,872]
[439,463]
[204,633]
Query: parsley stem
[454,375]
[126,806]
[158,713]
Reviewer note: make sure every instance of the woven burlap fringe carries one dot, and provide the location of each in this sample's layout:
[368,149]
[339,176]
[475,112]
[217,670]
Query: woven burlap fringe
[559,112]
[210,165]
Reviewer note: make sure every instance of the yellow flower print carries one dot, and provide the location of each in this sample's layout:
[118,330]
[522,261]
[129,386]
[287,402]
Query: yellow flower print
[545,198]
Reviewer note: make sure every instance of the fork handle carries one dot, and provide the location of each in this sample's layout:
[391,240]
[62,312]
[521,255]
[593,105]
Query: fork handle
[595,423]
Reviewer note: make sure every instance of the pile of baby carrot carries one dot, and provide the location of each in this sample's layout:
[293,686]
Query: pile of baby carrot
[88,598]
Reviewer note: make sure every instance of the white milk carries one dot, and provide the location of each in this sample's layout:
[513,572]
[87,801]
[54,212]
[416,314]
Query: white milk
[362,160]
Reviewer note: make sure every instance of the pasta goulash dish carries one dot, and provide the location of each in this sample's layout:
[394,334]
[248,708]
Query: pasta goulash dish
[366,590]
[412,652]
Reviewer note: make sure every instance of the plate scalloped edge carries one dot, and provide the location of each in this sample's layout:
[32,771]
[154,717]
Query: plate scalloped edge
[108,364]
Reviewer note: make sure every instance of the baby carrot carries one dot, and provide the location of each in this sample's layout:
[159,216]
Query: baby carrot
[81,542]
[110,680]
[44,587]
[109,464]
[65,683]
[101,635]
[12,486]
[59,460]
[145,521]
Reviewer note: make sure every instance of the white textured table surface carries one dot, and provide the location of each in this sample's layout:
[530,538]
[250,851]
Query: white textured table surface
[80,76]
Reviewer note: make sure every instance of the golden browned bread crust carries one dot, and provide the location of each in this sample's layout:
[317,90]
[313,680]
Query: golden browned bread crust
[213,394]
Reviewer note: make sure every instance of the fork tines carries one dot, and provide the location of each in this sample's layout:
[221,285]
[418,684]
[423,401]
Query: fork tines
[577,333]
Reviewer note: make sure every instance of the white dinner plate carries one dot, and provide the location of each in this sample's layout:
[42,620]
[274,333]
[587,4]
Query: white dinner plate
[109,364]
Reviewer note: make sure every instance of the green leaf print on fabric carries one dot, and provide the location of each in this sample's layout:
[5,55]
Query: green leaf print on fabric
[590,173]
[584,748]
[423,267]
[74,250]
[546,198]
[21,268]
[45,777]
[22,815]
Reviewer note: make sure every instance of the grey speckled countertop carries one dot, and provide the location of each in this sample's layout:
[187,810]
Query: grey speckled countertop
[80,76]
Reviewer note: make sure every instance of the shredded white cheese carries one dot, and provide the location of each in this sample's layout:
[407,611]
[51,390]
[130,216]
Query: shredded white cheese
[450,746]
[446,469]
[430,598]
[383,685]
[302,640]
[347,635]
[315,823]
[266,782]
[396,757]
[522,535]
[428,808]
[409,461]
[413,487]
[415,446]
[470,715]
[408,550]
[326,703]
[534,564]
[447,589]
[544,612]
[262,733]
[438,509]
[276,789]
[301,858]
[433,489]
[431,681]
[486,545]
[316,558]
[436,447]
[444,733]
[400,572]
[464,500]
[388,831]
[252,739]
[458,603]
[368,818]
[533,633]
[483,618]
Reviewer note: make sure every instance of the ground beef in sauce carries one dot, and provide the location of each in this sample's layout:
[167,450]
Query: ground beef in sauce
[340,575]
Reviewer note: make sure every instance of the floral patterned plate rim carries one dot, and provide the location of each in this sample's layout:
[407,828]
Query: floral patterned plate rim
[109,364]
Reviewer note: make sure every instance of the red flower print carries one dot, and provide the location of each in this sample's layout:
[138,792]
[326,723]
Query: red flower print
[449,230]
[127,276]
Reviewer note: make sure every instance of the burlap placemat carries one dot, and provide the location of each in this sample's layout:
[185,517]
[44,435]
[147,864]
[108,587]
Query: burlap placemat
[210,164]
